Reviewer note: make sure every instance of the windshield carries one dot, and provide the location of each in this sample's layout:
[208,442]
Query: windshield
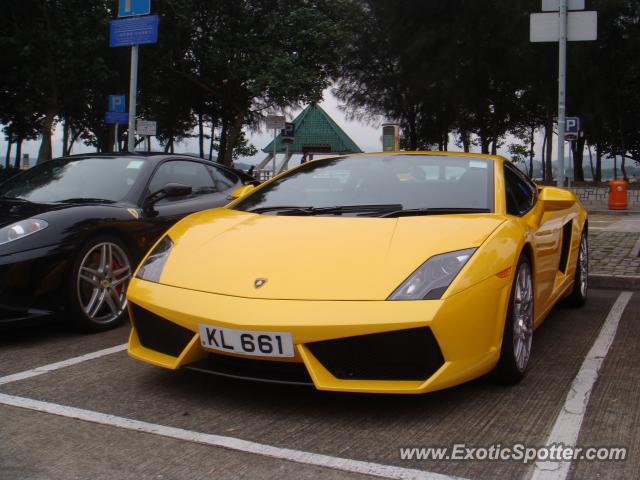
[435,182]
[105,179]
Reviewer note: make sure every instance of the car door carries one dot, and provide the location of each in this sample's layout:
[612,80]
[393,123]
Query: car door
[207,192]
[522,202]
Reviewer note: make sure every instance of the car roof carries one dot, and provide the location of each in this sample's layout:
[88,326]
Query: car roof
[155,156]
[435,153]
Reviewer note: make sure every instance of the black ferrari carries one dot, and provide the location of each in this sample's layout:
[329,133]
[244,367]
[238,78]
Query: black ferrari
[73,229]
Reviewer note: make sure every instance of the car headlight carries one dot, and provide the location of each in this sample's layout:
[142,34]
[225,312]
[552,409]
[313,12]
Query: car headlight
[152,267]
[433,277]
[21,229]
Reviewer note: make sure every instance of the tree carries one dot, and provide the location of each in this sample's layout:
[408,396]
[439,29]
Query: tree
[247,57]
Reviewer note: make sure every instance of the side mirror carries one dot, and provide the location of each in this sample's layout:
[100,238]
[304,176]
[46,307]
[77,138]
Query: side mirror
[242,191]
[170,190]
[554,199]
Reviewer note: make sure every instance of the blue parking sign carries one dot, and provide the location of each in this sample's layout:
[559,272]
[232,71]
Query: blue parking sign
[572,128]
[125,32]
[130,8]
[117,103]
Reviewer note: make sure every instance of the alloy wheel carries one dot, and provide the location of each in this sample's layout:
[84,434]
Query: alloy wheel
[102,282]
[583,265]
[523,316]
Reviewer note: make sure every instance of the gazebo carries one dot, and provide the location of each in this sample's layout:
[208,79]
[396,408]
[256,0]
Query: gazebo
[315,133]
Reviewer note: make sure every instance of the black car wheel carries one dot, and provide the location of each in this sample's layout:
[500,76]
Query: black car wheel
[518,329]
[98,284]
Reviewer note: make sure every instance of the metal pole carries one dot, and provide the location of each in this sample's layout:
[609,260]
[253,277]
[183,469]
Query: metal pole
[117,149]
[275,150]
[562,91]
[133,93]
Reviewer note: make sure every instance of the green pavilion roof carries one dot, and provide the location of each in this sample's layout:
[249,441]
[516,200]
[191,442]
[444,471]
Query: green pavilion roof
[315,129]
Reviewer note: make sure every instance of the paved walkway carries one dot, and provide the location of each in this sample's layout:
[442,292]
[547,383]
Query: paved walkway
[614,241]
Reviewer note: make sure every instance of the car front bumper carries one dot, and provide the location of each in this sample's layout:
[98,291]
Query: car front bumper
[466,329]
[32,284]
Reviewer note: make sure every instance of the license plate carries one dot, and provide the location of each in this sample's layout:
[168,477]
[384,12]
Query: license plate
[245,342]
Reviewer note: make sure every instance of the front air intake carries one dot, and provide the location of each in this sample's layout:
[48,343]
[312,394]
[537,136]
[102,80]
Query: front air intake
[157,333]
[399,355]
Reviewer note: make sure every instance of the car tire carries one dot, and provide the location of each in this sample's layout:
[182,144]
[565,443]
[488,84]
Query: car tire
[579,293]
[98,281]
[518,328]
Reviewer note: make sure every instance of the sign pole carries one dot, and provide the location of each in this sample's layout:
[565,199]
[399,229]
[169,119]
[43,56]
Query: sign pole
[562,91]
[133,91]
[275,136]
[117,149]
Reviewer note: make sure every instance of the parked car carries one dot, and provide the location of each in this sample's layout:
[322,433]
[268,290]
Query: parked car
[390,273]
[73,229]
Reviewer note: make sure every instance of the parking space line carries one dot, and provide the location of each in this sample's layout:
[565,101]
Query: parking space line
[34,372]
[298,456]
[569,421]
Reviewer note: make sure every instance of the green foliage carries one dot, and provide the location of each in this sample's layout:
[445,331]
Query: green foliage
[458,69]
[467,68]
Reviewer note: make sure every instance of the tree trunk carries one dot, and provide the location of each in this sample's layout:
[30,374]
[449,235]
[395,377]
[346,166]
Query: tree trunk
[74,137]
[484,142]
[593,171]
[466,141]
[544,157]
[18,161]
[549,133]
[623,166]
[169,146]
[7,160]
[65,137]
[598,177]
[201,134]
[532,144]
[224,134]
[578,158]
[45,153]
[231,131]
[213,137]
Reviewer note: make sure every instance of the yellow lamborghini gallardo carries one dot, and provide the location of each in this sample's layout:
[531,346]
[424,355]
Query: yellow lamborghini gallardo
[392,273]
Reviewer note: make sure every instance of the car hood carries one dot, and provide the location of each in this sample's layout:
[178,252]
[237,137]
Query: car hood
[311,258]
[14,211]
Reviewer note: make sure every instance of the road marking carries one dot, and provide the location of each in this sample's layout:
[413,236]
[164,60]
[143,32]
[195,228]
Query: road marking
[298,456]
[569,420]
[34,372]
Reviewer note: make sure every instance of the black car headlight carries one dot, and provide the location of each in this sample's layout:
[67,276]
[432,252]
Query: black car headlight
[152,267]
[433,277]
[21,229]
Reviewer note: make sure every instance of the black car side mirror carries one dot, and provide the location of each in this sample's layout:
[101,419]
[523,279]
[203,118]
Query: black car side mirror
[170,190]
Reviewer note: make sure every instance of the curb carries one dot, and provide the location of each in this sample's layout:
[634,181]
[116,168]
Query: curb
[614,282]
[613,213]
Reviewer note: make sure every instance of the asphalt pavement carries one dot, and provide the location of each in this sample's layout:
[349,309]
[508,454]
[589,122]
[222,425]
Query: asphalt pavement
[104,415]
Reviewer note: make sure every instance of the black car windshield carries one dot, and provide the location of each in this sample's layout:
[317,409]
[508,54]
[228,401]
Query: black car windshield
[418,183]
[103,179]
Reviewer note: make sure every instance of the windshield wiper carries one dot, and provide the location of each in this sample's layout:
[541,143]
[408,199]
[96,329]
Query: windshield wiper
[432,211]
[84,200]
[337,210]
